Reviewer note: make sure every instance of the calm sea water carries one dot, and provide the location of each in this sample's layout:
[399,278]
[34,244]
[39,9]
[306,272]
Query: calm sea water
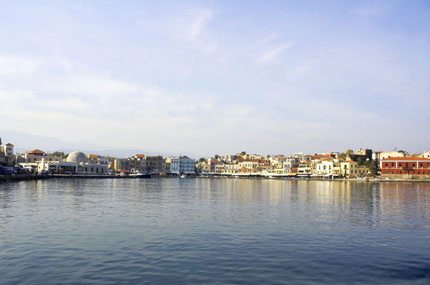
[177,231]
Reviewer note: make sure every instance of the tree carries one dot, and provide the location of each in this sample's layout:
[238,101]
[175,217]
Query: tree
[216,156]
[374,168]
[342,155]
[243,153]
[202,159]
[58,153]
[361,161]
[349,151]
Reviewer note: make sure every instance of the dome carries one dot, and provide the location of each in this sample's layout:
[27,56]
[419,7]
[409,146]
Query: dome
[76,156]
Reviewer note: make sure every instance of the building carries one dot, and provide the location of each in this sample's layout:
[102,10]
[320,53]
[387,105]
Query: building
[6,154]
[84,165]
[231,168]
[8,150]
[154,164]
[425,154]
[351,168]
[212,165]
[36,155]
[166,165]
[220,168]
[387,154]
[406,167]
[56,167]
[182,165]
[203,167]
[250,164]
[138,162]
[328,167]
[304,168]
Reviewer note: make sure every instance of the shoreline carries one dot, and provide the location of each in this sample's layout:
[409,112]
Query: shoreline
[25,177]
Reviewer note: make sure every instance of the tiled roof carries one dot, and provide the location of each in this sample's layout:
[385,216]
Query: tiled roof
[36,151]
[406,158]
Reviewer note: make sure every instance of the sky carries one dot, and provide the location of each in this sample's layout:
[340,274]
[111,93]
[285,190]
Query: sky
[206,77]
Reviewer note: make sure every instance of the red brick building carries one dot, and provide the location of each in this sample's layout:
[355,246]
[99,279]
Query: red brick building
[405,165]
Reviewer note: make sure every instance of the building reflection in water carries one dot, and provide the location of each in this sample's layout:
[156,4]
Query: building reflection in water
[354,202]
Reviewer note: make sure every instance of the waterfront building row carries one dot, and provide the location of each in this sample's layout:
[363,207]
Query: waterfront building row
[351,164]
[292,166]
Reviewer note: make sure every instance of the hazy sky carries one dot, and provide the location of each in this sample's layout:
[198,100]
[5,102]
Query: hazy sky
[209,77]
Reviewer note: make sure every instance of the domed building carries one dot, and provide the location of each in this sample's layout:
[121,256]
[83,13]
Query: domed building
[77,156]
[84,165]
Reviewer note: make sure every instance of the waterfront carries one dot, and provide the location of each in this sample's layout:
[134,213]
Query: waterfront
[165,230]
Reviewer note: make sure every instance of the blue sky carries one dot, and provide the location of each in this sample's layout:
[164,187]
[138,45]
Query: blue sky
[205,77]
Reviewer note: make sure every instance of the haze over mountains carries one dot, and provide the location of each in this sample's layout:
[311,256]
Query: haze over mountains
[25,142]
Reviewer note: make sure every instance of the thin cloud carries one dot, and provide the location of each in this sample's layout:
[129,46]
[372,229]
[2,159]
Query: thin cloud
[198,25]
[273,52]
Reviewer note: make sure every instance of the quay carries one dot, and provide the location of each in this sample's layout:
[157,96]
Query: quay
[28,177]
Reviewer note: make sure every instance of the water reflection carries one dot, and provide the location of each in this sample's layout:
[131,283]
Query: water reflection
[168,230]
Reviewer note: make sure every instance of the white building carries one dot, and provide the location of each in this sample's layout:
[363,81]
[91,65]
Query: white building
[425,154]
[8,149]
[85,167]
[182,165]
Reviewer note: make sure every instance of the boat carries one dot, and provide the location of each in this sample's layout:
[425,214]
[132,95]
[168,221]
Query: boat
[183,176]
[139,174]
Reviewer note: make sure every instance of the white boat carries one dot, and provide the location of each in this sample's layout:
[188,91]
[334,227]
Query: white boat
[183,176]
[139,174]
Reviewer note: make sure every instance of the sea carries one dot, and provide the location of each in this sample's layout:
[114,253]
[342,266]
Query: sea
[214,231]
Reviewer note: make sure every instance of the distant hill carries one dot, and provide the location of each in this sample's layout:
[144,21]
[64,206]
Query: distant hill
[24,142]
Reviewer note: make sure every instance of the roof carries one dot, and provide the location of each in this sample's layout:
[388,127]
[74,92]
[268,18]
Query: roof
[140,155]
[414,158]
[9,144]
[38,151]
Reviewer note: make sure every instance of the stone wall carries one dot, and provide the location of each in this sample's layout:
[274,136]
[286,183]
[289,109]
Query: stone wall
[405,176]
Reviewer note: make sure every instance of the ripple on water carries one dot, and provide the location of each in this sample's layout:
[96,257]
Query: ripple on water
[214,231]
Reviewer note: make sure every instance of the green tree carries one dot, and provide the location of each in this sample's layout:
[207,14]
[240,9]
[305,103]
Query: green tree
[361,161]
[202,159]
[374,168]
[349,151]
[243,153]
[58,153]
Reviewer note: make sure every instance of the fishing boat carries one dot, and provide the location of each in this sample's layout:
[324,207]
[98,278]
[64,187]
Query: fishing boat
[139,174]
